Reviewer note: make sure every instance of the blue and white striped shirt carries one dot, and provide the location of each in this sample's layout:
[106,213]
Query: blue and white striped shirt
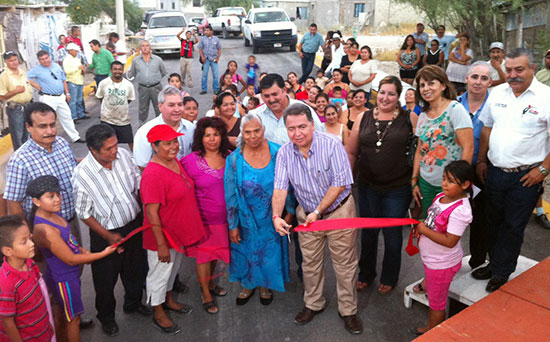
[327,165]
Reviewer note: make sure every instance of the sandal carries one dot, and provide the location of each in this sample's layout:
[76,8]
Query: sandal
[418,288]
[362,286]
[218,291]
[266,296]
[384,289]
[211,307]
[244,297]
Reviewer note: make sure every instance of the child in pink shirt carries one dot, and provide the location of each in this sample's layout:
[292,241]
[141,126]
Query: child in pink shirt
[439,238]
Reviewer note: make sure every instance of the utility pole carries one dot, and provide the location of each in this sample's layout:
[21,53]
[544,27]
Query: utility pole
[120,19]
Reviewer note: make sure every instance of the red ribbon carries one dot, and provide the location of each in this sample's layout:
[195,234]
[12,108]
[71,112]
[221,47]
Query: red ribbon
[354,223]
[142,228]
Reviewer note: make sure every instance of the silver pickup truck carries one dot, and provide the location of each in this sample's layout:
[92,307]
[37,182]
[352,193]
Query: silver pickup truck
[227,20]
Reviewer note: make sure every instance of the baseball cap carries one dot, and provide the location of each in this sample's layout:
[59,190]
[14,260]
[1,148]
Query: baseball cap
[73,46]
[162,133]
[336,36]
[9,54]
[40,185]
[496,45]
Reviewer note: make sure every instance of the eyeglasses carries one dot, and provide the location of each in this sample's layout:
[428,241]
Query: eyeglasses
[53,75]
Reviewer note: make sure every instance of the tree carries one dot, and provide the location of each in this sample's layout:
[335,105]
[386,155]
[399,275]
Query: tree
[213,5]
[480,18]
[81,11]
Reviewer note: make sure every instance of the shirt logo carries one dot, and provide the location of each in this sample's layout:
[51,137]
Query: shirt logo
[501,105]
[530,110]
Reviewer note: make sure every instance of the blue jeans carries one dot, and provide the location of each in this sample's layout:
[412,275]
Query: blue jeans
[215,76]
[17,129]
[307,66]
[372,203]
[509,206]
[75,103]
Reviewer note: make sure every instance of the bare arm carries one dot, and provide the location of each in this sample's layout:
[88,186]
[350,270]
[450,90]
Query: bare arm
[152,210]
[417,195]
[399,59]
[179,34]
[50,238]
[481,166]
[11,329]
[352,145]
[95,226]
[277,206]
[10,94]
[444,239]
[15,208]
[35,85]
[465,138]
[417,57]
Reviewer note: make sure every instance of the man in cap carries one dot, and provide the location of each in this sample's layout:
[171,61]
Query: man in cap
[72,65]
[543,76]
[338,52]
[310,43]
[51,82]
[420,38]
[496,53]
[16,92]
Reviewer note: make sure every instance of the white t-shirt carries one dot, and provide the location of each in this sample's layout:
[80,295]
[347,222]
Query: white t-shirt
[434,255]
[114,107]
[494,72]
[120,46]
[361,72]
[457,72]
[521,125]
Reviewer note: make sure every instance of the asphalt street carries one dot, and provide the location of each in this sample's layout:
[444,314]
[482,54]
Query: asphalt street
[384,316]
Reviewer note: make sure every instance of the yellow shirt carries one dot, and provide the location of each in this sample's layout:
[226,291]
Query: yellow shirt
[9,81]
[70,66]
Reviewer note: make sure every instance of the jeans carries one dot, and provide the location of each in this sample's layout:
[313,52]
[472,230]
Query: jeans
[509,206]
[75,103]
[372,203]
[307,65]
[16,122]
[215,76]
[99,78]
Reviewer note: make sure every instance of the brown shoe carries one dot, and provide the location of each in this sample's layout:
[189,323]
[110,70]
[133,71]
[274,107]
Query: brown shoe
[353,324]
[305,316]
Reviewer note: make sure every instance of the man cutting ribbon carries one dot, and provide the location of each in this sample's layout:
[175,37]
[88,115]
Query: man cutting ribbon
[317,166]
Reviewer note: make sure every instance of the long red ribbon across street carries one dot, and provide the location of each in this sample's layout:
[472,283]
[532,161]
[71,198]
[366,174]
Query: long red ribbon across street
[354,223]
[142,228]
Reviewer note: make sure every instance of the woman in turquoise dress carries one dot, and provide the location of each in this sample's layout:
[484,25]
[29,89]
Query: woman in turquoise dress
[259,256]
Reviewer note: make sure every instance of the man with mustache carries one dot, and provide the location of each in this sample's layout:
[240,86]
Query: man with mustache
[478,80]
[513,162]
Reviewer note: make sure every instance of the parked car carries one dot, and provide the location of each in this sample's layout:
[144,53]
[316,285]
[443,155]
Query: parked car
[162,31]
[227,20]
[202,26]
[269,28]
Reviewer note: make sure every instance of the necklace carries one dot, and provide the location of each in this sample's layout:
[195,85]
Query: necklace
[381,134]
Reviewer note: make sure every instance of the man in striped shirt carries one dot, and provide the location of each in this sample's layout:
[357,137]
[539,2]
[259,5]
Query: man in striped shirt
[317,167]
[106,184]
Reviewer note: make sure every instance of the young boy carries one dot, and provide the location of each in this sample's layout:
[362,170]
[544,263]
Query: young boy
[23,308]
[336,98]
[250,92]
[252,70]
[321,79]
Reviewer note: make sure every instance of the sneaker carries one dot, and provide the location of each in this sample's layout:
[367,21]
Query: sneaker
[543,221]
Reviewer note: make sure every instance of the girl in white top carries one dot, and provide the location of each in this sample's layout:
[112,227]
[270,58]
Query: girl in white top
[362,71]
[333,125]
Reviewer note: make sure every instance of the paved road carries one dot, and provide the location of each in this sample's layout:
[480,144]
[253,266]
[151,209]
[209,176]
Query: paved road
[384,317]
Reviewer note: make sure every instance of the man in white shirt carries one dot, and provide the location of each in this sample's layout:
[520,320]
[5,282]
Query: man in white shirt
[120,47]
[271,112]
[105,187]
[496,53]
[116,93]
[513,160]
[337,53]
[171,114]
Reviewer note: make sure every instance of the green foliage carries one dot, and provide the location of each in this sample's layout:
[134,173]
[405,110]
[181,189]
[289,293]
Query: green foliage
[83,11]
[212,5]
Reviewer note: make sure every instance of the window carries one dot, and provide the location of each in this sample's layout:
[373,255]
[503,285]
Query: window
[196,3]
[359,8]
[302,12]
[173,5]
[162,5]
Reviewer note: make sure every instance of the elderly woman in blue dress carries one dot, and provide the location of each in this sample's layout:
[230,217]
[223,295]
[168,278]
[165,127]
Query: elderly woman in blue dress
[259,256]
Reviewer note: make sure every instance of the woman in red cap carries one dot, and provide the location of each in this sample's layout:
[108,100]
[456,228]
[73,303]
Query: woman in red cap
[168,195]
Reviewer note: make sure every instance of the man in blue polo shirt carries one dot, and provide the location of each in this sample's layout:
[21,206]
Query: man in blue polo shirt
[310,43]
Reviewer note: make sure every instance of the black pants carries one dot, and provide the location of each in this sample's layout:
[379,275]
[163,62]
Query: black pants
[478,228]
[131,265]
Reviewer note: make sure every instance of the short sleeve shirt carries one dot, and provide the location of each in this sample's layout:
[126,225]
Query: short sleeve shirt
[439,144]
[114,107]
[422,47]
[9,81]
[311,44]
[22,299]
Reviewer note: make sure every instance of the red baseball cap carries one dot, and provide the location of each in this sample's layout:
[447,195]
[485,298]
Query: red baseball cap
[162,133]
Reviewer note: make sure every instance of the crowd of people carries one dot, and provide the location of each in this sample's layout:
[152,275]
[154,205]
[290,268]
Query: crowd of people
[231,186]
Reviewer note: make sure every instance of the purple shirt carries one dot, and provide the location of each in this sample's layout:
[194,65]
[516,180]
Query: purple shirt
[209,189]
[327,165]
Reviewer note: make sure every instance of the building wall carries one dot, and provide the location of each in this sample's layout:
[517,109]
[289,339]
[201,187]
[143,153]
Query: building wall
[393,13]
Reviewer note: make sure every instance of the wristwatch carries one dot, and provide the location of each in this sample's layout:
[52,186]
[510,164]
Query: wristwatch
[318,214]
[543,170]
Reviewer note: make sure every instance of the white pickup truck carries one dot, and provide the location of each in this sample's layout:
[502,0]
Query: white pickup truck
[227,20]
[269,28]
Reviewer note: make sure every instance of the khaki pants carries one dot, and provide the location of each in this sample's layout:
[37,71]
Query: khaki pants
[185,70]
[342,245]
